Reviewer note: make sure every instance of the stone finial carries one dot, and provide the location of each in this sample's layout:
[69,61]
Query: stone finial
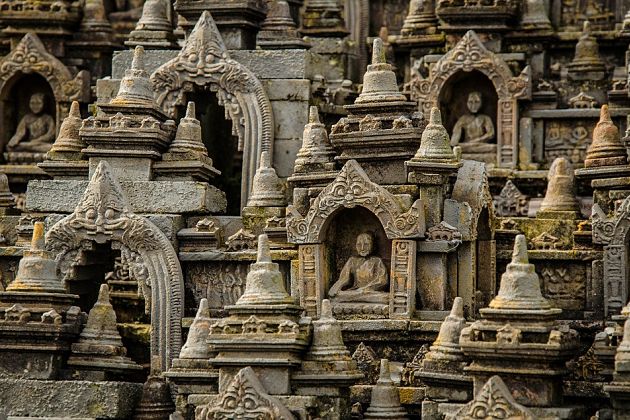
[520,285]
[385,402]
[316,150]
[448,337]
[188,136]
[264,284]
[154,29]
[279,30]
[95,18]
[560,195]
[535,16]
[587,58]
[196,346]
[156,402]
[327,344]
[606,148]
[267,188]
[135,87]
[435,144]
[7,199]
[69,140]
[37,271]
[379,82]
[421,18]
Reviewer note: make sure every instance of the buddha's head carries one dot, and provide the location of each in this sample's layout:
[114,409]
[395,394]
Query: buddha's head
[474,102]
[365,244]
[36,103]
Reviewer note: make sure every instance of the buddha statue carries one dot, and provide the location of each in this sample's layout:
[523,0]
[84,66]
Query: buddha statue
[363,278]
[36,131]
[474,132]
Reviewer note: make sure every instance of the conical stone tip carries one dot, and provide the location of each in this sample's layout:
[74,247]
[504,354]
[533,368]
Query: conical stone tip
[436,116]
[313,115]
[586,27]
[458,307]
[190,110]
[265,160]
[384,373]
[138,58]
[203,306]
[519,255]
[103,294]
[74,110]
[378,52]
[326,310]
[37,242]
[604,114]
[264,254]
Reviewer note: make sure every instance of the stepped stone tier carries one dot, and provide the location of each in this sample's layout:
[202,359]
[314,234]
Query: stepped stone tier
[238,209]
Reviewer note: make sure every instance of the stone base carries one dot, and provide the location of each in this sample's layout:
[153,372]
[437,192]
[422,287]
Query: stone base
[69,399]
[557,413]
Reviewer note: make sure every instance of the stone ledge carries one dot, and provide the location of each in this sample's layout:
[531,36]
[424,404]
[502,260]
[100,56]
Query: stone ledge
[174,197]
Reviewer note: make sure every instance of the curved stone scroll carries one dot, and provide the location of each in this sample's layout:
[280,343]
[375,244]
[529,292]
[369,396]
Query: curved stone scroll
[30,56]
[353,188]
[204,62]
[103,216]
[470,54]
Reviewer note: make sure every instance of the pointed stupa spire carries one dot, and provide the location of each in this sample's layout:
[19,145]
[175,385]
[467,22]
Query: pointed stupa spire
[7,199]
[196,346]
[135,87]
[385,401]
[100,346]
[421,18]
[37,270]
[446,345]
[520,285]
[606,148]
[587,59]
[316,152]
[154,29]
[379,82]
[156,401]
[95,18]
[188,137]
[327,344]
[68,141]
[279,31]
[436,143]
[267,188]
[264,284]
[560,195]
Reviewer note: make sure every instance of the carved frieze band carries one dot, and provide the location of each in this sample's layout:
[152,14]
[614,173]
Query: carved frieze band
[402,299]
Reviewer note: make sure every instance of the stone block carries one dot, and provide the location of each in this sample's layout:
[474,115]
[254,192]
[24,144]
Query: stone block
[153,59]
[290,117]
[284,155]
[175,197]
[277,64]
[69,399]
[288,90]
[169,224]
[106,89]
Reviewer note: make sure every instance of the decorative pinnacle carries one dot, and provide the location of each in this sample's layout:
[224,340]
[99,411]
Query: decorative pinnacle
[436,116]
[519,255]
[138,58]
[265,160]
[103,295]
[458,307]
[74,110]
[190,110]
[384,376]
[604,113]
[203,308]
[326,310]
[313,115]
[378,52]
[586,28]
[37,242]
[264,254]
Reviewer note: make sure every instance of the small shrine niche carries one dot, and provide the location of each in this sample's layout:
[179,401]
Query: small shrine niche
[16,106]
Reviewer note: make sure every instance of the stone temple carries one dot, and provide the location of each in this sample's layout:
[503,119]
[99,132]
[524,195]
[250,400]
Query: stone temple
[314,209]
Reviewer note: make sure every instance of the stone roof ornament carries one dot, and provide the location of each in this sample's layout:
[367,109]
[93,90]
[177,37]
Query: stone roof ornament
[267,188]
[100,346]
[327,344]
[385,402]
[520,285]
[436,143]
[156,402]
[587,63]
[95,19]
[68,143]
[196,346]
[7,199]
[446,345]
[535,16]
[37,270]
[379,81]
[135,87]
[264,284]
[560,195]
[154,29]
[279,30]
[606,148]
[316,151]
[421,18]
[188,136]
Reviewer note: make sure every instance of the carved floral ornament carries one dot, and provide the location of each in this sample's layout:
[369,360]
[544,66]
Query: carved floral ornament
[103,216]
[470,54]
[611,230]
[204,62]
[350,189]
[30,56]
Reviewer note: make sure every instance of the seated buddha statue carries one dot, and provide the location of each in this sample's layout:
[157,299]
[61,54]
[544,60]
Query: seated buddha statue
[36,131]
[474,132]
[363,278]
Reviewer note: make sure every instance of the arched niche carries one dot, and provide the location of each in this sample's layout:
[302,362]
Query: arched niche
[204,62]
[15,101]
[471,55]
[30,57]
[103,217]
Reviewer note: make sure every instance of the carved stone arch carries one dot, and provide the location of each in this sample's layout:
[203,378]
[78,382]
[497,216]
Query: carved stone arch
[353,188]
[204,62]
[30,56]
[104,216]
[470,54]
